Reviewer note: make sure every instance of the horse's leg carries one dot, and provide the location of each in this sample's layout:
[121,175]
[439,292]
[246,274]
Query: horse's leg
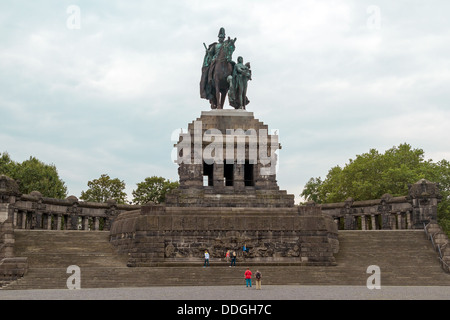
[218,98]
[222,98]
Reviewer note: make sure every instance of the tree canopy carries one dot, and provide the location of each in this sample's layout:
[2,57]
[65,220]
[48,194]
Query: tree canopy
[152,189]
[34,175]
[104,189]
[372,174]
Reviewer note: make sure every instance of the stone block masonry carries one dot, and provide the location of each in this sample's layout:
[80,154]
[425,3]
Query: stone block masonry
[159,235]
[228,197]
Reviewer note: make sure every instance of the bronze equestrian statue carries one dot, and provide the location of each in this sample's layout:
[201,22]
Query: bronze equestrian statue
[217,67]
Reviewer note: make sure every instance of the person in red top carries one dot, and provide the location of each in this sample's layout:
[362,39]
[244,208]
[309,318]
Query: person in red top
[248,277]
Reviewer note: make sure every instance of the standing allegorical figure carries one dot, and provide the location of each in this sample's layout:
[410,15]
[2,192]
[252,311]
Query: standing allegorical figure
[237,94]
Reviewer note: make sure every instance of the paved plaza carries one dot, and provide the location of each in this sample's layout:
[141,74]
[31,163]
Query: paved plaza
[271,292]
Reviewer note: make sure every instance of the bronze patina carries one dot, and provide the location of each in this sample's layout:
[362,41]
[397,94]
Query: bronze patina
[222,76]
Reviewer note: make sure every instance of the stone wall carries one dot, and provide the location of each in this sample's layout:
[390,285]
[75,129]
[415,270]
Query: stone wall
[160,235]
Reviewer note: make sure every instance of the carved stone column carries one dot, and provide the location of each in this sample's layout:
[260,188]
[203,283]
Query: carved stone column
[111,213]
[9,191]
[38,211]
[424,196]
[73,213]
[385,209]
[349,218]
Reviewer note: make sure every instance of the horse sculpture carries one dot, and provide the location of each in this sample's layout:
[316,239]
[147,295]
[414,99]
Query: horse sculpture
[214,80]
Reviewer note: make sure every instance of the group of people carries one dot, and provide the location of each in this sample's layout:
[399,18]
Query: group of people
[229,256]
[248,278]
[248,274]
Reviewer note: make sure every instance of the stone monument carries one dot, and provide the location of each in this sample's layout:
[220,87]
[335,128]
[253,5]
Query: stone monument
[228,196]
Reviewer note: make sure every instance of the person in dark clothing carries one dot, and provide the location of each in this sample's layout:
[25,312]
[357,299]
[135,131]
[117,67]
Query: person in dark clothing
[258,277]
[233,259]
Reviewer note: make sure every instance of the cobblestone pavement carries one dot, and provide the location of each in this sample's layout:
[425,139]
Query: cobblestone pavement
[272,292]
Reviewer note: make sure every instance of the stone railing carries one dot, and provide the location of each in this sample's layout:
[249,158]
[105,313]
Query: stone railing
[33,211]
[406,212]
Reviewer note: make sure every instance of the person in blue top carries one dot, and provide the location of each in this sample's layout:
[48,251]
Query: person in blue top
[244,250]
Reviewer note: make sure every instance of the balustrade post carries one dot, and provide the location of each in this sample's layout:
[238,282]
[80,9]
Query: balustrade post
[363,222]
[408,220]
[401,220]
[96,223]
[58,222]
[15,217]
[374,222]
[24,220]
[85,223]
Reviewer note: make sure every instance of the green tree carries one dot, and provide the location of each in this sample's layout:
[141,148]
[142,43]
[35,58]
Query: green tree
[372,174]
[104,189]
[34,175]
[6,164]
[152,189]
[311,190]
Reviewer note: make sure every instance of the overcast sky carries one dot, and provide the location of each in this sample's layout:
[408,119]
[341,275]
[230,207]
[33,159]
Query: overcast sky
[99,87]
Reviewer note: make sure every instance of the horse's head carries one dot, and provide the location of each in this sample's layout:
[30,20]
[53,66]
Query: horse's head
[229,48]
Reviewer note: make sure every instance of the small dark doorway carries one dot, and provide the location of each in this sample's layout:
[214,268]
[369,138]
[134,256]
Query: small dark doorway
[208,170]
[228,173]
[248,174]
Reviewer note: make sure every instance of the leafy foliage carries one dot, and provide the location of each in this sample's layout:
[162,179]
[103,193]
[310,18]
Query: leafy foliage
[104,189]
[373,174]
[34,175]
[153,189]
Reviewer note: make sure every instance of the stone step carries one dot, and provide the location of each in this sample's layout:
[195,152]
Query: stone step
[404,257]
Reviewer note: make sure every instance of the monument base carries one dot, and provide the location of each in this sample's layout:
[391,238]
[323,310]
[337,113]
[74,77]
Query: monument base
[163,236]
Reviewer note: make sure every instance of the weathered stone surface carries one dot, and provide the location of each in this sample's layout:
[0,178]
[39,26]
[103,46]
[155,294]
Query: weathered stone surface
[241,204]
[182,234]
[240,174]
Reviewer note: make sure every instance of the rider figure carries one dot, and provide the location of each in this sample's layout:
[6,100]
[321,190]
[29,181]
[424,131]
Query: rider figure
[206,82]
[213,51]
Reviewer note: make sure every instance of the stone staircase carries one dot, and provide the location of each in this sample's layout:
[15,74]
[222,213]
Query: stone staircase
[405,258]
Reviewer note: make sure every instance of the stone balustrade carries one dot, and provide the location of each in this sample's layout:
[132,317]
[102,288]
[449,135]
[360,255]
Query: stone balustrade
[34,211]
[388,212]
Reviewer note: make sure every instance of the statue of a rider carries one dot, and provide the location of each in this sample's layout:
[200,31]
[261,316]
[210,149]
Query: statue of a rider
[209,83]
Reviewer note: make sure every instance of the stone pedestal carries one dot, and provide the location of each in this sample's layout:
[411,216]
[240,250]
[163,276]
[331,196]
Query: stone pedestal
[228,197]
[235,155]
[159,235]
